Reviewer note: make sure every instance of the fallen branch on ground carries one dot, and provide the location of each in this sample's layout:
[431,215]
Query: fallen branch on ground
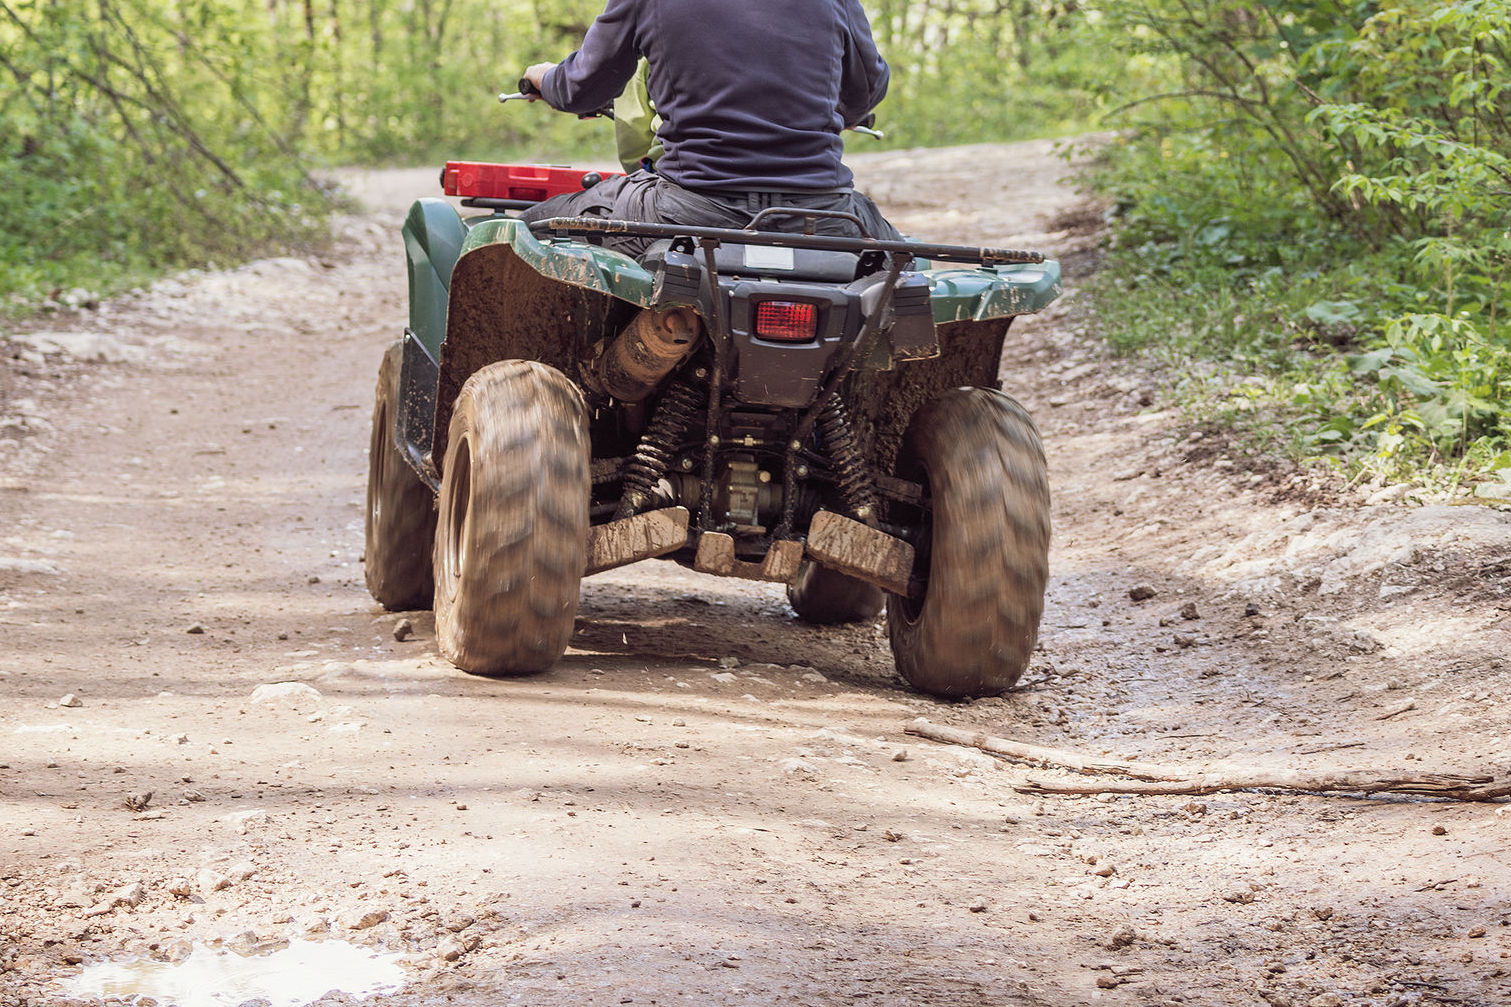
[1462,788]
[1038,755]
[1154,779]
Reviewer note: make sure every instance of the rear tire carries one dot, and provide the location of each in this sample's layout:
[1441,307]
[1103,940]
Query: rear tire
[823,597]
[985,553]
[400,507]
[511,539]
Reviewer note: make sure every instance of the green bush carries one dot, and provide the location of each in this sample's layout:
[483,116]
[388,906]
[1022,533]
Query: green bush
[129,147]
[1317,200]
[142,134]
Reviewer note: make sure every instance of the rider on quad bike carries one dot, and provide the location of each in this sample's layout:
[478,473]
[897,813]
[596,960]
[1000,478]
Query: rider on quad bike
[733,363]
[752,98]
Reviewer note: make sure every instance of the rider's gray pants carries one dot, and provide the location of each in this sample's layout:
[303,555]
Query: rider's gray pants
[644,196]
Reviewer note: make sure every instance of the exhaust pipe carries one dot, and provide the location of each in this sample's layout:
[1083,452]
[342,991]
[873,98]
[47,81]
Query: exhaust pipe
[631,365]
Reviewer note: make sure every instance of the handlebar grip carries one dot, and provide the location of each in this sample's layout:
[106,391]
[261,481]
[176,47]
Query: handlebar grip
[525,87]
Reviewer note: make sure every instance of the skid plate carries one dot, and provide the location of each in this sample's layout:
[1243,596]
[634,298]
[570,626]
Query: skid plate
[716,554]
[619,543]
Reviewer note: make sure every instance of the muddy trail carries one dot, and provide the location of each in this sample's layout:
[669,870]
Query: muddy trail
[707,802]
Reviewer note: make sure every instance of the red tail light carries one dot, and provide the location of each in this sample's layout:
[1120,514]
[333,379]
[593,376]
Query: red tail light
[786,321]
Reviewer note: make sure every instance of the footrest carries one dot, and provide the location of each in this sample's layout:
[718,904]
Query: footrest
[860,551]
[716,554]
[618,543]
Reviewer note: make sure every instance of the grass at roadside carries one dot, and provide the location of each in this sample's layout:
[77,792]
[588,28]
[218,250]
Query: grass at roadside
[1313,359]
[1310,222]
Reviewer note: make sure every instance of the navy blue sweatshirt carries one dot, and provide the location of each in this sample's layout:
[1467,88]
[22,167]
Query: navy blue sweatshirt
[751,93]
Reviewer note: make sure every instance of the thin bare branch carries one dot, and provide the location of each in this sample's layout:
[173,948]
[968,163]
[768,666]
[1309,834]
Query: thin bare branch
[1149,778]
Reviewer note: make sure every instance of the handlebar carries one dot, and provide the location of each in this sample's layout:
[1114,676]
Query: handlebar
[868,127]
[528,91]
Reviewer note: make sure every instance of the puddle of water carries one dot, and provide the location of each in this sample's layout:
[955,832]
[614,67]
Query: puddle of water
[300,973]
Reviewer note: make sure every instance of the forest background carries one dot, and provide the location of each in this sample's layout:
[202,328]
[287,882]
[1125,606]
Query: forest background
[1310,202]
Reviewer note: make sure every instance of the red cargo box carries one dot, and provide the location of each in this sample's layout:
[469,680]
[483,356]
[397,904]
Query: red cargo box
[532,182]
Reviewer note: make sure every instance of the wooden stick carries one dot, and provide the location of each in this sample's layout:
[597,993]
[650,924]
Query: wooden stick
[1153,779]
[1466,788]
[1329,748]
[1489,792]
[1041,756]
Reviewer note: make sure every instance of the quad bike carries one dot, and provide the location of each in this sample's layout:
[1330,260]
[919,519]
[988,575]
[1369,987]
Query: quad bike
[821,412]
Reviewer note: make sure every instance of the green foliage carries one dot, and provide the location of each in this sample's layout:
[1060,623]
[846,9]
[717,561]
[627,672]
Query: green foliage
[128,147]
[994,70]
[1311,195]
[1439,378]
[142,134]
[137,135]
[1319,198]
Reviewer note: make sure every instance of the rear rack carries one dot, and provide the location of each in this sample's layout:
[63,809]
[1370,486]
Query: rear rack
[832,243]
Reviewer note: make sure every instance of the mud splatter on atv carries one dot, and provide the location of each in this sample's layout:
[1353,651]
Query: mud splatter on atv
[817,411]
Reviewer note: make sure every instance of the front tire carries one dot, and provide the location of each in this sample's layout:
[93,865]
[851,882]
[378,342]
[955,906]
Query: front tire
[400,525]
[511,539]
[984,557]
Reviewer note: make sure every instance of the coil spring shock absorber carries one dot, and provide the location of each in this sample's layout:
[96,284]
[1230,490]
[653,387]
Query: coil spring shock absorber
[678,407]
[852,477]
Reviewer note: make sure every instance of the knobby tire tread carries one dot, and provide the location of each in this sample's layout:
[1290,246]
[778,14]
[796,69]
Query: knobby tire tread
[975,631]
[400,523]
[509,605]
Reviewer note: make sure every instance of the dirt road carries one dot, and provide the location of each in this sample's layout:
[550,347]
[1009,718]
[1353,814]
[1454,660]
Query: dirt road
[707,803]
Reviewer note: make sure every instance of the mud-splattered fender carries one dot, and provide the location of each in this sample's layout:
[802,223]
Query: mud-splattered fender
[976,295]
[515,298]
[574,262]
[434,234]
[957,294]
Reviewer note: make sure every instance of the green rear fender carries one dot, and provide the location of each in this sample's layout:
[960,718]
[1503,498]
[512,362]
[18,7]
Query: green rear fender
[959,294]
[514,296]
[434,235]
[492,290]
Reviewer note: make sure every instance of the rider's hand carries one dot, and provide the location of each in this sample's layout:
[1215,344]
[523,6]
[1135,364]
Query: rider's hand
[536,74]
